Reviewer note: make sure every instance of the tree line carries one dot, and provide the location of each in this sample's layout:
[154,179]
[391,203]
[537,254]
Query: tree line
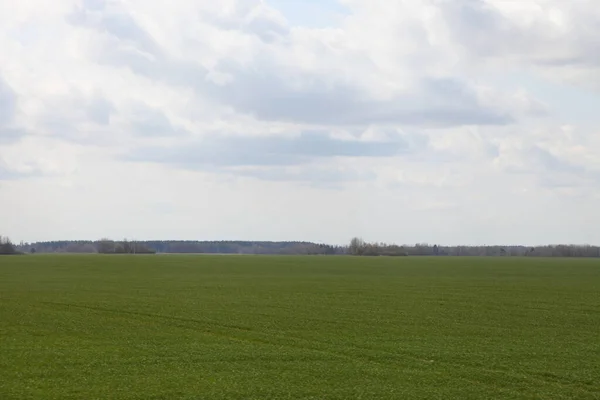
[107,246]
[359,247]
[356,247]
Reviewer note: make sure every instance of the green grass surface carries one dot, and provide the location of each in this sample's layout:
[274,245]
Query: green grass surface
[228,327]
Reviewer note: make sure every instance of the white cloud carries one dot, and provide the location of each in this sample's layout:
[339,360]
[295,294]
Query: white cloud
[407,120]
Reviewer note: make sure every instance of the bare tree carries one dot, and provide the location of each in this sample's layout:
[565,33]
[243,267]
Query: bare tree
[357,246]
[105,245]
[6,246]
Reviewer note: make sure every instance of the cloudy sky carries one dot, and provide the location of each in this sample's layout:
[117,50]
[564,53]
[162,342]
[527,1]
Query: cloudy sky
[439,121]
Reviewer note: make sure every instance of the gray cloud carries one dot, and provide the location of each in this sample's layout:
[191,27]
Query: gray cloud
[69,116]
[266,29]
[537,159]
[549,162]
[483,30]
[268,95]
[98,15]
[477,25]
[99,110]
[61,126]
[273,158]
[266,91]
[7,173]
[8,103]
[276,159]
[9,133]
[249,19]
[552,171]
[230,151]
[149,121]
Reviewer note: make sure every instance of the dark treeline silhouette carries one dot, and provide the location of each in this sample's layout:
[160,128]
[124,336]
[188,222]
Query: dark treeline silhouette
[7,247]
[356,247]
[108,246]
[359,247]
[244,247]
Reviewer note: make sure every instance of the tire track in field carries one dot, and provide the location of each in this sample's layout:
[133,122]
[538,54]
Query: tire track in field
[358,353]
[149,315]
[207,330]
[584,385]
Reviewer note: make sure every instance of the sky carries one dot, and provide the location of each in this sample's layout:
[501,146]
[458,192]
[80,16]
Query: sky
[404,121]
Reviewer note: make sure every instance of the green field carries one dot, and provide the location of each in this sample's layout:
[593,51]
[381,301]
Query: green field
[254,327]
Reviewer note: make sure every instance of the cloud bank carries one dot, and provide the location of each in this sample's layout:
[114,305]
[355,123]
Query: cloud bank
[448,121]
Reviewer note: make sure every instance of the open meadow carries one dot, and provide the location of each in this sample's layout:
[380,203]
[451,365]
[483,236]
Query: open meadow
[271,327]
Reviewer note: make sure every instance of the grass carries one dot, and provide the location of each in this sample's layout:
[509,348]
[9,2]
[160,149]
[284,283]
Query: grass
[253,327]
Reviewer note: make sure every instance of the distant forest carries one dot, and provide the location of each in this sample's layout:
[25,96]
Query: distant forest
[356,247]
[107,246]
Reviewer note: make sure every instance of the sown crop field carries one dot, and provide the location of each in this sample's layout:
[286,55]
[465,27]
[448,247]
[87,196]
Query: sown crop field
[254,327]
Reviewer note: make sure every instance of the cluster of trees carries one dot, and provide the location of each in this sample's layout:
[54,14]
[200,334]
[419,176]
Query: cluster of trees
[87,246]
[7,247]
[63,246]
[359,247]
[107,246]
